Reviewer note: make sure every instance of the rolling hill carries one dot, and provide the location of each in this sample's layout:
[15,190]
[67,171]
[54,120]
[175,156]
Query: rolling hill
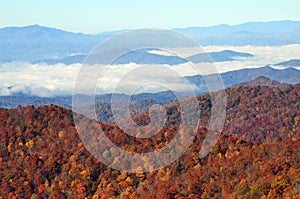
[42,155]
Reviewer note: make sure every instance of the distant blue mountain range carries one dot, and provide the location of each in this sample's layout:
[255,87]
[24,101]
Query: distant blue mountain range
[252,33]
[232,78]
[225,55]
[67,60]
[36,43]
[32,43]
[290,63]
[144,56]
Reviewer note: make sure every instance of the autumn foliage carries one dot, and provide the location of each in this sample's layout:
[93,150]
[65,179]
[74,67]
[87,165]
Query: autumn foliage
[256,156]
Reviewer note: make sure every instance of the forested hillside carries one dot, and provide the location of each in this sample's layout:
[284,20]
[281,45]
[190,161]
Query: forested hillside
[256,156]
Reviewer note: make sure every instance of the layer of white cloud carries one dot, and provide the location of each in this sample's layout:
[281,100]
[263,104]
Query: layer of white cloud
[40,80]
[52,80]
[160,52]
[264,55]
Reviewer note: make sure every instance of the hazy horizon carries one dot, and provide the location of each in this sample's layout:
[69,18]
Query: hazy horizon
[97,16]
[125,29]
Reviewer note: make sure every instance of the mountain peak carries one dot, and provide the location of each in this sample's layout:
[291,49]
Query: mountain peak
[262,81]
[34,25]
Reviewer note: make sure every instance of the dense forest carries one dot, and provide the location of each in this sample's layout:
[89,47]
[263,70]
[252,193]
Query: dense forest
[256,156]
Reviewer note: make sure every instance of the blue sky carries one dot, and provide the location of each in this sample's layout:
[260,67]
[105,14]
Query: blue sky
[96,16]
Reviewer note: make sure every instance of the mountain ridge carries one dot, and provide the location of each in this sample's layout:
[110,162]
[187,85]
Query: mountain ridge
[32,43]
[262,81]
[289,63]
[143,56]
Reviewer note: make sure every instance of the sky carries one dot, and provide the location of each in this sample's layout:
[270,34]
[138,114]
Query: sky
[96,16]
